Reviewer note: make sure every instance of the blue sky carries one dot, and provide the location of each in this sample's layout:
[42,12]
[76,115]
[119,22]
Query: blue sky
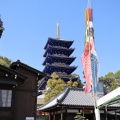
[29,23]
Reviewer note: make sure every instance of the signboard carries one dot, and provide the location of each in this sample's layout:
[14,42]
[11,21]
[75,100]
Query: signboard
[29,118]
[87,111]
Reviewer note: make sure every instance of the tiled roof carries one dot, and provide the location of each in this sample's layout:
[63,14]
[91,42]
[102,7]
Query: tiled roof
[75,97]
[53,102]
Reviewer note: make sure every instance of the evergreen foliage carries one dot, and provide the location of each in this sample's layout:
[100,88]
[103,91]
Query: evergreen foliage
[80,84]
[5,61]
[55,85]
[75,84]
[111,81]
[69,83]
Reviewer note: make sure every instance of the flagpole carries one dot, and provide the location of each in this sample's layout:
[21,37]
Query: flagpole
[97,112]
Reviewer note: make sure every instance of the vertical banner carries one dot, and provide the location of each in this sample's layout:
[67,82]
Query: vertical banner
[90,61]
[89,57]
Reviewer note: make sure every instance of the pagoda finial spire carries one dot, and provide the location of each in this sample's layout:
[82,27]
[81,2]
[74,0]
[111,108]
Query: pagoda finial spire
[58,30]
[89,3]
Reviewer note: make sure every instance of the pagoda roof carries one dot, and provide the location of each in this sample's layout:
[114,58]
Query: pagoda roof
[65,51]
[59,68]
[53,58]
[52,41]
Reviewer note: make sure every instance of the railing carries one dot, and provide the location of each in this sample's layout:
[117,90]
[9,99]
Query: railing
[61,73]
[62,55]
[57,46]
[59,64]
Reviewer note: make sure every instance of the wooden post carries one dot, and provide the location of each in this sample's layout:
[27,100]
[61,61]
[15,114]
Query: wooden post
[66,113]
[49,115]
[115,115]
[53,115]
[83,112]
[105,112]
[61,114]
[93,115]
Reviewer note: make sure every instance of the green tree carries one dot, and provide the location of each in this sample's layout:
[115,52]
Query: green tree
[55,85]
[80,84]
[110,81]
[5,61]
[69,83]
[79,117]
[75,84]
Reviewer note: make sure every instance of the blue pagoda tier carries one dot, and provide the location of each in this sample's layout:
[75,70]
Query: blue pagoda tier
[58,59]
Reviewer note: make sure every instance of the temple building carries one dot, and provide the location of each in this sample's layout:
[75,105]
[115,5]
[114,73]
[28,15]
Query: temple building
[58,59]
[18,91]
[73,100]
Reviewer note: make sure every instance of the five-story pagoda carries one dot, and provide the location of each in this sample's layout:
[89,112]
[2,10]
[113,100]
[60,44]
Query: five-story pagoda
[58,59]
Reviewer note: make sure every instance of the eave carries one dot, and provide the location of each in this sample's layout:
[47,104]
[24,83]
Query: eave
[66,69]
[51,57]
[73,98]
[109,99]
[11,71]
[68,42]
[10,76]
[18,63]
[51,48]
